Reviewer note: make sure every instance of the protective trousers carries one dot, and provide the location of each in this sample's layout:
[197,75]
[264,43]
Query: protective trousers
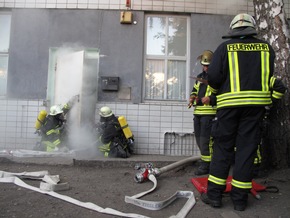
[238,127]
[202,131]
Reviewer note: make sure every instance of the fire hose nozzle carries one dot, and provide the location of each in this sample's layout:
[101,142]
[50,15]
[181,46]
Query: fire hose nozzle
[141,175]
[144,173]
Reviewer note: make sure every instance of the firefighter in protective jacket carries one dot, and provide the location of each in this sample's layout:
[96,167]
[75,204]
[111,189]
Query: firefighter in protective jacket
[114,142]
[53,130]
[204,112]
[241,74]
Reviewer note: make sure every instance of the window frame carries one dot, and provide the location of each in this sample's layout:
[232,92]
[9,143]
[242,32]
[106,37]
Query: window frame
[6,53]
[167,58]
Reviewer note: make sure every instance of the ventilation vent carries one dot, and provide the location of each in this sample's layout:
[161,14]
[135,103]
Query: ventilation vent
[180,144]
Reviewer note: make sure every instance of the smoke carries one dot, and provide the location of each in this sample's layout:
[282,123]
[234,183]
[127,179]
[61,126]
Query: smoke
[77,74]
[83,139]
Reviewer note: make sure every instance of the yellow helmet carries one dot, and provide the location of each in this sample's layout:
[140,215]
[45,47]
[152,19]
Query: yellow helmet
[105,112]
[243,20]
[205,57]
[55,110]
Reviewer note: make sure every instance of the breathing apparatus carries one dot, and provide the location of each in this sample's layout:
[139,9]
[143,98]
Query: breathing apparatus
[40,119]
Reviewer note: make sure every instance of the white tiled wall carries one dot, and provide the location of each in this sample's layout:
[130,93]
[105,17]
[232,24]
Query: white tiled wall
[229,7]
[148,122]
[17,119]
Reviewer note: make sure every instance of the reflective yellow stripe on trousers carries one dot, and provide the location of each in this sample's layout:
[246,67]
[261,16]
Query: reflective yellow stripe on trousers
[242,185]
[217,180]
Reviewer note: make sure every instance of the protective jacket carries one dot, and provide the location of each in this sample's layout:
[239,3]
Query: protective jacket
[199,91]
[203,116]
[247,70]
[113,139]
[53,131]
[241,76]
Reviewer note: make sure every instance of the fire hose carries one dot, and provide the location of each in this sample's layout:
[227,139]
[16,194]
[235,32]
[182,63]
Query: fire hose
[45,188]
[148,172]
[50,183]
[146,169]
[16,178]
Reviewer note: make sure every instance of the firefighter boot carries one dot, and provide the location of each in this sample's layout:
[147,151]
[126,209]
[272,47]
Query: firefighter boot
[202,169]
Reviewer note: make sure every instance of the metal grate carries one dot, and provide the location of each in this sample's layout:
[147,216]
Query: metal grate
[180,144]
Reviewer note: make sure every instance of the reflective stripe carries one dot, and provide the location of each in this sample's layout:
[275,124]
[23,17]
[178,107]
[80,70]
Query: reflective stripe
[205,110]
[56,142]
[277,95]
[56,131]
[242,185]
[240,102]
[207,92]
[244,98]
[216,180]
[244,94]
[272,81]
[206,158]
[234,71]
[265,66]
[210,146]
[237,97]
[258,159]
[105,148]
[213,90]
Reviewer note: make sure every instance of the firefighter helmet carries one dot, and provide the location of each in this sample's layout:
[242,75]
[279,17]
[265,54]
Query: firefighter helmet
[243,20]
[56,109]
[205,57]
[105,111]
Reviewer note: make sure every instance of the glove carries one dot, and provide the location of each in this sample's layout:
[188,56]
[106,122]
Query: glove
[72,101]
[100,128]
[191,101]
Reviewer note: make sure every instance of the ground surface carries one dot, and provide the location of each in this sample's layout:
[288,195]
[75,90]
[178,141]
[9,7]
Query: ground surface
[107,186]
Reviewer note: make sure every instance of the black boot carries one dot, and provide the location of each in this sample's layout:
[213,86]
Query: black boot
[202,169]
[213,203]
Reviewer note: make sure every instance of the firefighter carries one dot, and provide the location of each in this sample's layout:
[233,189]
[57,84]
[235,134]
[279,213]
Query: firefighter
[241,74]
[205,109]
[53,131]
[111,135]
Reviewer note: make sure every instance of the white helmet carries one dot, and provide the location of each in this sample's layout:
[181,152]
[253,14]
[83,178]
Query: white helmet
[56,109]
[105,112]
[243,20]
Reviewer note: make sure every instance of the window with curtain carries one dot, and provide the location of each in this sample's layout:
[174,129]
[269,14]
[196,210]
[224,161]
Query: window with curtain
[5,23]
[166,56]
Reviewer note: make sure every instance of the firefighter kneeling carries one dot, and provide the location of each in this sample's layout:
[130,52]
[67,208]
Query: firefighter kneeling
[52,127]
[114,134]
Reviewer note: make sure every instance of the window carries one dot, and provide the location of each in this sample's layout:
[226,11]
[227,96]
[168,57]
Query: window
[166,57]
[5,23]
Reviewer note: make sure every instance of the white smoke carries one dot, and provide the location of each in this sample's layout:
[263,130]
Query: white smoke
[79,76]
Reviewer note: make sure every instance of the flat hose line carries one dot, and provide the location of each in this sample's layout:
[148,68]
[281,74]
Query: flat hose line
[7,177]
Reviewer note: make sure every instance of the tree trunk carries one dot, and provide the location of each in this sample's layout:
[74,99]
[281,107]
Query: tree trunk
[273,27]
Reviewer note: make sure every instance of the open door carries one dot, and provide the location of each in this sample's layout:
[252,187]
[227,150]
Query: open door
[74,72]
[68,76]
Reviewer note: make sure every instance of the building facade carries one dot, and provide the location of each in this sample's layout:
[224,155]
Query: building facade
[148,52]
